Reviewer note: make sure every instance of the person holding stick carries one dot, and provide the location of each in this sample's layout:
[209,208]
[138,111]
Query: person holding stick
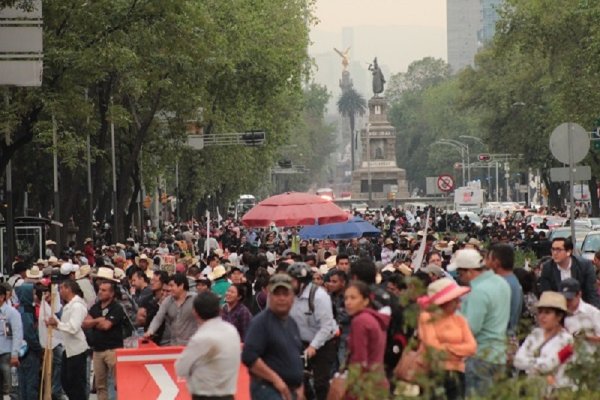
[75,354]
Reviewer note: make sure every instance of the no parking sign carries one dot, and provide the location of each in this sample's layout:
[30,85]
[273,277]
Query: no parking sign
[445,183]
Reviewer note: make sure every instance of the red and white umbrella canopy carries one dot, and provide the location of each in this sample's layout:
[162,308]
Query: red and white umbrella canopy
[292,209]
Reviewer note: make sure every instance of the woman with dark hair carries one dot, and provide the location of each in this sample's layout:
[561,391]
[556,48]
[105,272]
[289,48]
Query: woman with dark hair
[234,311]
[367,337]
[547,349]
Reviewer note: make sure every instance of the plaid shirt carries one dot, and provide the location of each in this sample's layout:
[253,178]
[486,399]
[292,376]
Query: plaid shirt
[239,317]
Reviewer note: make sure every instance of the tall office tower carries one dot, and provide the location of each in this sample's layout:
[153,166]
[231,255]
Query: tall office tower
[463,24]
[470,25]
[489,17]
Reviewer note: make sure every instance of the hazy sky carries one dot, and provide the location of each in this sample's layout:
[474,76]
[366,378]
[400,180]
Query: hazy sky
[336,14]
[397,32]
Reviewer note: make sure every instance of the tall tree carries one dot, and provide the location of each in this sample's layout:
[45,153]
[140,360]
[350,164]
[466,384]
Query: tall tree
[352,104]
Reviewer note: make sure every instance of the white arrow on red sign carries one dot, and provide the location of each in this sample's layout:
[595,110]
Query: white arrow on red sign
[168,388]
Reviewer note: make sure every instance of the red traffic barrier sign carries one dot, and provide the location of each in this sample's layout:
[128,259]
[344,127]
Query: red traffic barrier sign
[445,183]
[148,373]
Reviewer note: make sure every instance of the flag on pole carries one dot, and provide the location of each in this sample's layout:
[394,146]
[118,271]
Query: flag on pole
[418,261]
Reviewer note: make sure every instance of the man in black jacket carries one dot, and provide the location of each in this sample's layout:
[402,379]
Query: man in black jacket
[565,265]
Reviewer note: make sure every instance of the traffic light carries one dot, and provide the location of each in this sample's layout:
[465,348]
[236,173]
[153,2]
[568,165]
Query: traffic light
[254,138]
[484,157]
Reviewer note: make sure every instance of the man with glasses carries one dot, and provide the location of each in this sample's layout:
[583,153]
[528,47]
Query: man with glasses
[487,310]
[565,265]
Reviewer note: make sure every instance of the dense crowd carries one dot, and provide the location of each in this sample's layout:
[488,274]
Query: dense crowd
[417,310]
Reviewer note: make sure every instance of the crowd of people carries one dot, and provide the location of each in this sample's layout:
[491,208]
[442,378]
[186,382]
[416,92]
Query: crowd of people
[316,317]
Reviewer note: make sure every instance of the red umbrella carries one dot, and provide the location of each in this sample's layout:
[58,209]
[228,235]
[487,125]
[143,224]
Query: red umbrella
[291,209]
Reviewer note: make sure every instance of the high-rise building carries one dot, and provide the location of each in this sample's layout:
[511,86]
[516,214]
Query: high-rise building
[470,25]
[463,23]
[489,17]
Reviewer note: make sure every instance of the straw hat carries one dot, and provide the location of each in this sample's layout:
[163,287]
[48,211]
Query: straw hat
[119,274]
[388,241]
[442,291]
[553,300]
[41,262]
[474,242]
[83,271]
[143,257]
[217,273]
[331,262]
[120,245]
[50,242]
[34,273]
[87,240]
[441,245]
[106,274]
[434,269]
[52,261]
[466,259]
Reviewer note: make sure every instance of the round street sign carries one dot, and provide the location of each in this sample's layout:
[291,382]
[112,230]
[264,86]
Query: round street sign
[569,136]
[445,183]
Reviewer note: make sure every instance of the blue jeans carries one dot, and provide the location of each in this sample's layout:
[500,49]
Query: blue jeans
[265,391]
[480,375]
[29,376]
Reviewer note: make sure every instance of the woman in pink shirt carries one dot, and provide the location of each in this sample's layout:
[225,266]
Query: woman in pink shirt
[366,341]
[447,333]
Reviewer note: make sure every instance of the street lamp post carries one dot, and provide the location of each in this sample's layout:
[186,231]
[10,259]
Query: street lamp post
[462,156]
[465,147]
[115,230]
[56,215]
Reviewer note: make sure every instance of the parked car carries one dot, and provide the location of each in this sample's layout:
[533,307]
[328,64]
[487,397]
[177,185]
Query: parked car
[590,245]
[565,232]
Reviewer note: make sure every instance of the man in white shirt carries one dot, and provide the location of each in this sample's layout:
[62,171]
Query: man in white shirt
[73,373]
[211,360]
[584,320]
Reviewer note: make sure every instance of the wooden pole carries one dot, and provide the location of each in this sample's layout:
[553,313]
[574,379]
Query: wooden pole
[46,384]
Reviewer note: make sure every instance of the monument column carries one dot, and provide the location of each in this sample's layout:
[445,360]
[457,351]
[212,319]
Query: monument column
[378,172]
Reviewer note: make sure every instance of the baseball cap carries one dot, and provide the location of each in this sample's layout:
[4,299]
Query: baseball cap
[569,288]
[280,280]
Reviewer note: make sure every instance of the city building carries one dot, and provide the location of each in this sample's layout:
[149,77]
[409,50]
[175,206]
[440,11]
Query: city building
[470,25]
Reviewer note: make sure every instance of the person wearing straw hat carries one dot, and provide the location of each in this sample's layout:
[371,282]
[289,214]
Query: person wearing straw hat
[143,262]
[446,331]
[220,284]
[34,274]
[50,248]
[548,348]
[487,309]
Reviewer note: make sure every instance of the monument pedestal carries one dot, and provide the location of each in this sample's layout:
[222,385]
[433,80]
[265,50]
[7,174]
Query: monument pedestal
[379,158]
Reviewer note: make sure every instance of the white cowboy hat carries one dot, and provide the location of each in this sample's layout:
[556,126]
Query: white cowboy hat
[34,273]
[83,271]
[50,242]
[217,273]
[106,273]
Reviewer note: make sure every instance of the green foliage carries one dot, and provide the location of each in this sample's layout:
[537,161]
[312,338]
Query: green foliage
[425,108]
[149,67]
[540,70]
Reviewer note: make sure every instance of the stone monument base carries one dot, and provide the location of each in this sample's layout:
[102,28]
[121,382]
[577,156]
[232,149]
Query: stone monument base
[383,182]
